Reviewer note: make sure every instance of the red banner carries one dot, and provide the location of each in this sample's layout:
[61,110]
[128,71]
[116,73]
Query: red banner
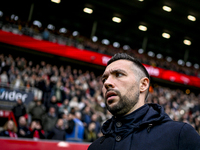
[89,56]
[172,76]
[53,48]
[5,113]
[26,144]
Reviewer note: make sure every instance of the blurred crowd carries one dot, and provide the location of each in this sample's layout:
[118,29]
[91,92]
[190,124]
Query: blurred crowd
[66,37]
[71,106]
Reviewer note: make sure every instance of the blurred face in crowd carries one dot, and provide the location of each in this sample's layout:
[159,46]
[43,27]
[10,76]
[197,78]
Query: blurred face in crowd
[52,110]
[66,102]
[19,101]
[91,126]
[53,99]
[60,123]
[121,87]
[33,124]
[22,121]
[38,102]
[10,125]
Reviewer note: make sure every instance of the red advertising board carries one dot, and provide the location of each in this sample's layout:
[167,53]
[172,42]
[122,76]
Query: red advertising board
[172,76]
[26,144]
[89,56]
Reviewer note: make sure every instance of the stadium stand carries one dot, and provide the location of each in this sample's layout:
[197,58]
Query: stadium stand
[27,28]
[43,95]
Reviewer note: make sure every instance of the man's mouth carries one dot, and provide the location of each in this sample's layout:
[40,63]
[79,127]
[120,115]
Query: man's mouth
[110,95]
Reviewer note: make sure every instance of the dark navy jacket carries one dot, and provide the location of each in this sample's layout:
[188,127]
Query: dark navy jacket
[147,128]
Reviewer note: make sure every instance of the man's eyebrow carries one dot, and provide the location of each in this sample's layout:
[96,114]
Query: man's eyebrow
[103,76]
[117,70]
[113,71]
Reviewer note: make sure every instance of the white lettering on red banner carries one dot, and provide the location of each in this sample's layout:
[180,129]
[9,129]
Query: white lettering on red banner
[152,71]
[4,113]
[172,78]
[185,79]
[105,59]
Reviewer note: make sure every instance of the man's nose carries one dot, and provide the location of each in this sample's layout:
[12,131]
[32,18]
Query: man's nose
[108,83]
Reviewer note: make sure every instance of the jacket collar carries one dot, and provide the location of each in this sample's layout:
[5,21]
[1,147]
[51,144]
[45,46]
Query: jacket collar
[143,116]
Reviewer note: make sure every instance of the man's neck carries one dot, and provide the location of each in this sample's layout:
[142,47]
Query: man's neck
[136,106]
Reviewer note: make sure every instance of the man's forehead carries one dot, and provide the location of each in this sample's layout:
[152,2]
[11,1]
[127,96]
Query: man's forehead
[119,64]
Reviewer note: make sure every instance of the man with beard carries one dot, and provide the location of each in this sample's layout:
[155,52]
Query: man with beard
[135,124]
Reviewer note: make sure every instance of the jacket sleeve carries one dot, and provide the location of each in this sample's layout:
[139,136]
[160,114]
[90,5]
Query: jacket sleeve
[189,139]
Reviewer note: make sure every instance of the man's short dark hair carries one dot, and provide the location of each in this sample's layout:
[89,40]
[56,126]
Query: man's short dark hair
[124,56]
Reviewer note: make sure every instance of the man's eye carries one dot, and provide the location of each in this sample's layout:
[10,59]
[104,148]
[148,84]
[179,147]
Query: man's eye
[119,74]
[103,80]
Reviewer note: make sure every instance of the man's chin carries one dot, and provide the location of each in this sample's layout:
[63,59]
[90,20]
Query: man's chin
[113,108]
[112,103]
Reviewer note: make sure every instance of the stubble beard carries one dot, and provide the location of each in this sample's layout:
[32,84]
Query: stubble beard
[125,104]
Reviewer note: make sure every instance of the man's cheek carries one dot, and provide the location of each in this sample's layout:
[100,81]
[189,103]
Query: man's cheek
[104,92]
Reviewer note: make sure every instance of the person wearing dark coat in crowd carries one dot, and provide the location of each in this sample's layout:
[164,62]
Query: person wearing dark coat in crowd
[46,92]
[136,125]
[49,120]
[37,111]
[70,123]
[19,109]
[58,92]
[23,130]
[58,132]
[53,103]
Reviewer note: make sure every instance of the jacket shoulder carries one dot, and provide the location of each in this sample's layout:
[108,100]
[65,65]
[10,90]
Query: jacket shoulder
[95,145]
[189,138]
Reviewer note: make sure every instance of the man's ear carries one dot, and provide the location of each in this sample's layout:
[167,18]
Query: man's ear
[144,84]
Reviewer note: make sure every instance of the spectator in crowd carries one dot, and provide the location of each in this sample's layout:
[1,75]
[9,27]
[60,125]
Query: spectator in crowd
[65,108]
[4,78]
[58,91]
[94,119]
[37,111]
[18,82]
[69,123]
[58,132]
[32,104]
[55,77]
[46,92]
[9,129]
[49,120]
[90,135]
[74,103]
[86,116]
[53,103]
[45,34]
[75,133]
[7,64]
[36,130]
[19,109]
[21,63]
[23,130]
[11,74]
